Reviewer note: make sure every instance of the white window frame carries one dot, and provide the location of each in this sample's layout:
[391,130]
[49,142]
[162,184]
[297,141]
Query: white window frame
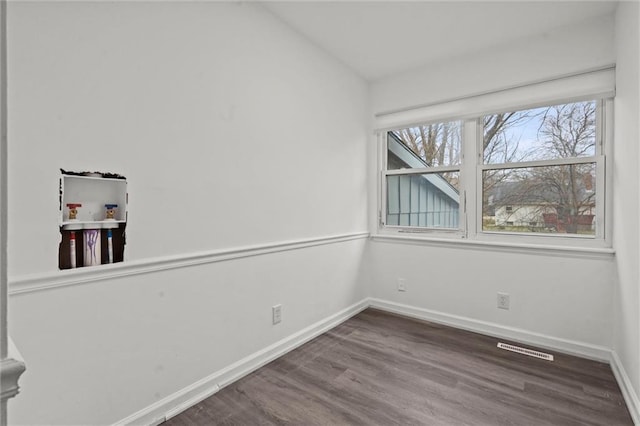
[470,183]
[459,232]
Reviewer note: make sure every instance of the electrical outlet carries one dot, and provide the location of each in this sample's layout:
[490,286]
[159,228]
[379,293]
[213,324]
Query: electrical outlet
[402,284]
[276,313]
[503,301]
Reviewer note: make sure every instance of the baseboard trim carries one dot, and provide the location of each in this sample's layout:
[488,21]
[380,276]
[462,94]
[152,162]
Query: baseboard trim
[629,394]
[70,277]
[172,405]
[570,347]
[181,400]
[177,402]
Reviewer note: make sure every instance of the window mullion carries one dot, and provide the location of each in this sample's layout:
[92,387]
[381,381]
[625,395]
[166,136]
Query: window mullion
[469,177]
[605,180]
[600,197]
[382,188]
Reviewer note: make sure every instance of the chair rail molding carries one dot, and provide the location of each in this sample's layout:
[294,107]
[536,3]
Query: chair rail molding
[69,277]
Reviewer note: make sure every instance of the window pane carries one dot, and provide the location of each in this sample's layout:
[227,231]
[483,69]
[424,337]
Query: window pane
[560,131]
[424,146]
[430,200]
[550,199]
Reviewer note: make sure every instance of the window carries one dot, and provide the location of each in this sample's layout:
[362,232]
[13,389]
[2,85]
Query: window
[532,173]
[539,168]
[422,176]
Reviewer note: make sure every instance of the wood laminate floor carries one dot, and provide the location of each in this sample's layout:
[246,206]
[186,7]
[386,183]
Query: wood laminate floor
[382,369]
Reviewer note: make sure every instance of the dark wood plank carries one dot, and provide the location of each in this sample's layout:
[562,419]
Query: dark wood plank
[384,369]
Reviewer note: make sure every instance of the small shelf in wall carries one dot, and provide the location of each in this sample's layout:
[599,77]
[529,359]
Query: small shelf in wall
[93,218]
[91,224]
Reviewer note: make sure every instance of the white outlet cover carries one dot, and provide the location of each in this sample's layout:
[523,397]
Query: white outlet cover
[503,300]
[276,314]
[402,284]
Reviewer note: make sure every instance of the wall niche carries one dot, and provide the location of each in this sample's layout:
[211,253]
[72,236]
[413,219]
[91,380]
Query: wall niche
[93,218]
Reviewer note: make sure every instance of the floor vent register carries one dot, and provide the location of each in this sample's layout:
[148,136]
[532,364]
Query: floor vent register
[524,351]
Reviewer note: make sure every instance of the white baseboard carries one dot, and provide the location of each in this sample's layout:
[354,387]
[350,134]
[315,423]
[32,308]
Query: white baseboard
[629,394]
[179,401]
[571,347]
[174,404]
[584,350]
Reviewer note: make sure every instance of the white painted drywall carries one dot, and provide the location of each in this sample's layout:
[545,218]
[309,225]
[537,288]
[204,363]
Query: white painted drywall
[97,353]
[3,200]
[552,54]
[232,131]
[626,199]
[561,297]
[3,180]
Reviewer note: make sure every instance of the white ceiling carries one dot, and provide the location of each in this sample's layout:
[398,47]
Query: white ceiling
[381,38]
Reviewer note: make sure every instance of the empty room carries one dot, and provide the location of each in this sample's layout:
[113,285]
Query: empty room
[317,212]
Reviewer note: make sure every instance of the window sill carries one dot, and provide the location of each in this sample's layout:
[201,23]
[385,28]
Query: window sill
[500,246]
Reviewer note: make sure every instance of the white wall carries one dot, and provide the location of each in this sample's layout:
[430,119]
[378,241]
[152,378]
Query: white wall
[3,200]
[232,131]
[217,114]
[564,298]
[97,353]
[555,53]
[3,180]
[626,196]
